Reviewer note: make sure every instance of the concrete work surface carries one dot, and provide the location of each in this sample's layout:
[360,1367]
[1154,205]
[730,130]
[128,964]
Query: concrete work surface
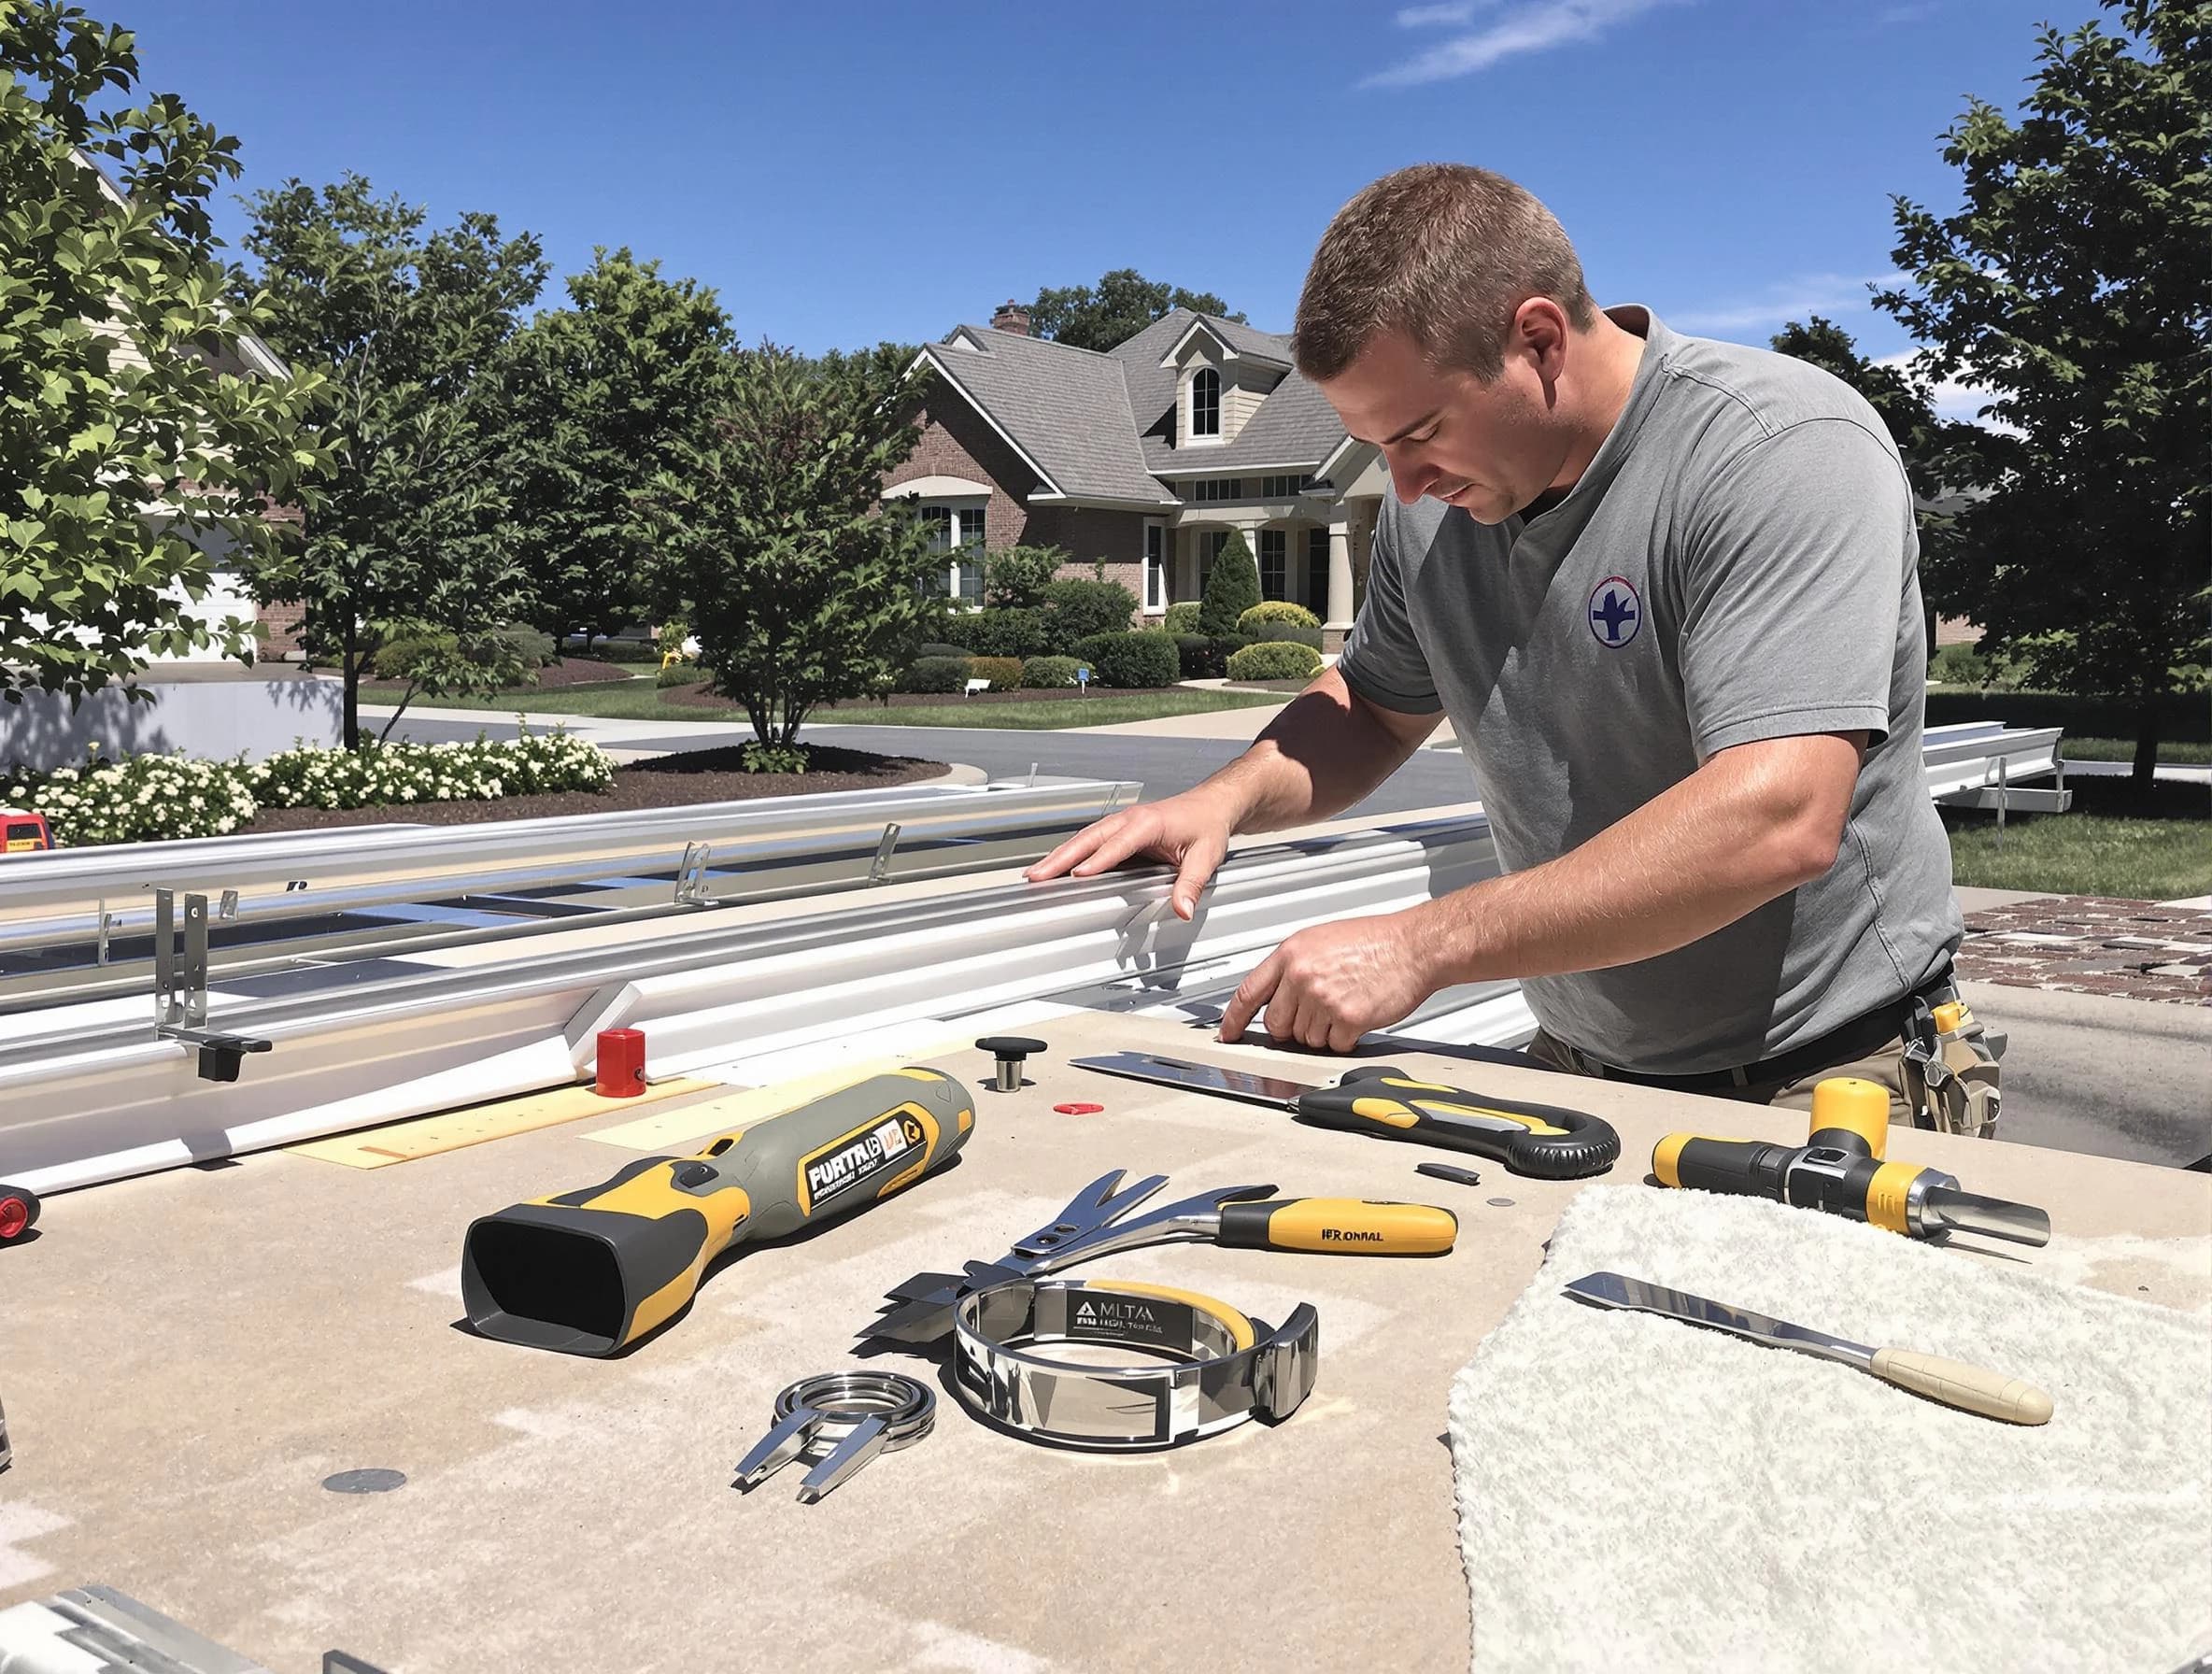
[186,1357]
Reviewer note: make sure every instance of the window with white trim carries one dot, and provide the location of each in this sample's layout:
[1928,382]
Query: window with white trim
[955,530]
[1272,568]
[1155,564]
[1283,487]
[1217,488]
[1205,402]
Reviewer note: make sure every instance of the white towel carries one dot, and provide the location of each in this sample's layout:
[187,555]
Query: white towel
[1639,1493]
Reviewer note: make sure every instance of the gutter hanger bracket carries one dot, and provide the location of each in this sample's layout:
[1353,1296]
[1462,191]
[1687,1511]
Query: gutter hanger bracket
[180,999]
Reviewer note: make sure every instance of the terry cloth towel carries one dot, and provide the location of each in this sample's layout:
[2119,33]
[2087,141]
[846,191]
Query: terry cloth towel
[1639,1493]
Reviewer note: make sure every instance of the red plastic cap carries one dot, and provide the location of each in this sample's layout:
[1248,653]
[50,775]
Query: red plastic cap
[1079,1110]
[15,1215]
[621,1063]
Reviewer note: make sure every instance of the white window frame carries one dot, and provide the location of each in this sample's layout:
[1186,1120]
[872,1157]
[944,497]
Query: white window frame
[1214,435]
[1279,540]
[964,535]
[1156,566]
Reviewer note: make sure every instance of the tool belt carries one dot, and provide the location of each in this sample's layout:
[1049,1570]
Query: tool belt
[1949,1067]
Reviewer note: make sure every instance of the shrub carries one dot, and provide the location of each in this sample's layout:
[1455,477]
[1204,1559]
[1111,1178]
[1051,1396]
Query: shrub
[1275,660]
[680,673]
[1003,673]
[757,758]
[1205,658]
[1044,674]
[1290,633]
[1232,588]
[1018,575]
[1079,609]
[1133,661]
[1182,618]
[141,799]
[930,648]
[532,648]
[937,673]
[1275,610]
[408,650]
[1000,632]
[1959,665]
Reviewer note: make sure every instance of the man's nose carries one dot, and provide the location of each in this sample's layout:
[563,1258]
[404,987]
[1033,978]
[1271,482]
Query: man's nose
[1408,477]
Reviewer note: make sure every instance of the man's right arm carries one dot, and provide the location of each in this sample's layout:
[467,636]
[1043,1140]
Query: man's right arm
[1328,748]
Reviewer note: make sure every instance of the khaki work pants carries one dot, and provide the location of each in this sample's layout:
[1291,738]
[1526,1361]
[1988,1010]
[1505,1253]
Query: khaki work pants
[1884,1067]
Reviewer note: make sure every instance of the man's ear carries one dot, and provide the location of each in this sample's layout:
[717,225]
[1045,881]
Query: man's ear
[1541,332]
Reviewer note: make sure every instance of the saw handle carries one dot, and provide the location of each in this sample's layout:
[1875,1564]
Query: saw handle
[1339,1226]
[1969,1388]
[1546,1141]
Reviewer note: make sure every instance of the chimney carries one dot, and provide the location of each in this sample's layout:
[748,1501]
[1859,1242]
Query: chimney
[1011,317]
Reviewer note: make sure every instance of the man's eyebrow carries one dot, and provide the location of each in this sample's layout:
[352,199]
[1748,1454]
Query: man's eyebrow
[1420,423]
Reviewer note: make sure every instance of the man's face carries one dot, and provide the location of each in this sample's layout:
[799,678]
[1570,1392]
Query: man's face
[1487,448]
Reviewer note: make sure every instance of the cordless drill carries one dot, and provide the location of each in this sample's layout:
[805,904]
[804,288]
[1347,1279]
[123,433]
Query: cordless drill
[1841,1169]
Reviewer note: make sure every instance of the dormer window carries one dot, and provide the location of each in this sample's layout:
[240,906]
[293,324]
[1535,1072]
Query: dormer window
[1205,402]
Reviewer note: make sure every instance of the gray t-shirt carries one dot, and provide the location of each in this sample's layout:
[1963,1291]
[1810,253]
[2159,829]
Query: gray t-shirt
[1739,562]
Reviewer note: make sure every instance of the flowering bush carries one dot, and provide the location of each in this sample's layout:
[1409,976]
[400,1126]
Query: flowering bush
[140,799]
[145,798]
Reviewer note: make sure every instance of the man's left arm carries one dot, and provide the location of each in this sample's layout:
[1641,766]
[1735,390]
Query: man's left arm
[1790,633]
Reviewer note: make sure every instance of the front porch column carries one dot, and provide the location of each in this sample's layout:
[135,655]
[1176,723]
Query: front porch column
[1338,622]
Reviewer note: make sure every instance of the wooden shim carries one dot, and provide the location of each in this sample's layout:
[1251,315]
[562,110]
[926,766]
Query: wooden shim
[450,1130]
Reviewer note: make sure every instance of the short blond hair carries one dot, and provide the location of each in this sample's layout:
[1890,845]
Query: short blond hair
[1445,253]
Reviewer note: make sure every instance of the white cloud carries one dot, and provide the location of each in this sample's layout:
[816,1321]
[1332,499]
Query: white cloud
[1529,28]
[1954,398]
[1798,298]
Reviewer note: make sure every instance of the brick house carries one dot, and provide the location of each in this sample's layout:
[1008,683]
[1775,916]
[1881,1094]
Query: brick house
[1145,457]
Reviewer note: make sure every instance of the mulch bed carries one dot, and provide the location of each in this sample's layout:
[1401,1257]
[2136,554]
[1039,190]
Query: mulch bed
[658,782]
[2093,944]
[697,697]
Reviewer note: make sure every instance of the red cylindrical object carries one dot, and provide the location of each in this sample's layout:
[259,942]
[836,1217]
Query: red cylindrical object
[621,1063]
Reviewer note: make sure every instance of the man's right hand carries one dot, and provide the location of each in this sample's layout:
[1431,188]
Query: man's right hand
[1190,832]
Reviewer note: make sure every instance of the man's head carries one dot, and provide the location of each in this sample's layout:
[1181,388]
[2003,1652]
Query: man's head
[1440,316]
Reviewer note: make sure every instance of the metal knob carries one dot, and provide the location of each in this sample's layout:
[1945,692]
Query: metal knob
[1009,1051]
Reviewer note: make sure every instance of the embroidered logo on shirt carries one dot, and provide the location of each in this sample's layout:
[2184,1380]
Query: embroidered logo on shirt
[1616,613]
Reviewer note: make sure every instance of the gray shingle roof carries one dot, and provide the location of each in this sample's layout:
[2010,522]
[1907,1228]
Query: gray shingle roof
[1080,414]
[1068,408]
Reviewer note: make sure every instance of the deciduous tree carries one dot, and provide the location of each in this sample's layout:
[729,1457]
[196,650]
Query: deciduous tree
[1123,302]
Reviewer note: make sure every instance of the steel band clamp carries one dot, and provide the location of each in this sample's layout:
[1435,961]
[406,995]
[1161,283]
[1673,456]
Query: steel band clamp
[1211,1367]
[837,1421]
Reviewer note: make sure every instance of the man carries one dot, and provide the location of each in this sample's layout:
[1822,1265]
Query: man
[1666,591]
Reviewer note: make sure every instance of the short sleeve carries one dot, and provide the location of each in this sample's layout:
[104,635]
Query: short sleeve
[1383,661]
[1796,567]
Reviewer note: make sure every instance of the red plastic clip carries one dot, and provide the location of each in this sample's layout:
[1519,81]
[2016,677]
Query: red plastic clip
[621,1063]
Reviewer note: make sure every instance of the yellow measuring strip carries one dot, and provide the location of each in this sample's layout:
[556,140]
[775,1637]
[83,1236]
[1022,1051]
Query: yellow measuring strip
[669,1130]
[449,1130]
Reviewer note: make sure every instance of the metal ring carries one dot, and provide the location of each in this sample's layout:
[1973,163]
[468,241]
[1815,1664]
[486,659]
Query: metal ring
[907,1406]
[1225,1366]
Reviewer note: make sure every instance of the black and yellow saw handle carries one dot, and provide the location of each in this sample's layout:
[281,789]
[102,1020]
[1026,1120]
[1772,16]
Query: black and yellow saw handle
[1545,1142]
[1339,1226]
[590,1272]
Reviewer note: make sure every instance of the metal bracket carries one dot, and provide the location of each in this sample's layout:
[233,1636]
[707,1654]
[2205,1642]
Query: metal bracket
[691,890]
[880,870]
[107,926]
[180,995]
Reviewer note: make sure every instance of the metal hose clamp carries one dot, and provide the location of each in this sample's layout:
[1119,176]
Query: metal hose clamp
[838,1421]
[1211,1367]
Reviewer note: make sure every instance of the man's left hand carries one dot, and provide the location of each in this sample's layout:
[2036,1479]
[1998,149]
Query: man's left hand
[1328,986]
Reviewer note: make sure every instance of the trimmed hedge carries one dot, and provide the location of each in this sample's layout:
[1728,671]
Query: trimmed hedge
[936,674]
[1292,633]
[1046,674]
[934,649]
[1275,610]
[1133,660]
[1275,660]
[999,631]
[1076,609]
[1003,673]
[1182,618]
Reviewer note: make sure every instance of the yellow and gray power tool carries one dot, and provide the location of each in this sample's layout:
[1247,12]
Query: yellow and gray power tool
[1950,1071]
[590,1272]
[1841,1169]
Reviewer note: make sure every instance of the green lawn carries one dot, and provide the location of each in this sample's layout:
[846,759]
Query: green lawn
[2108,843]
[643,702]
[2188,752]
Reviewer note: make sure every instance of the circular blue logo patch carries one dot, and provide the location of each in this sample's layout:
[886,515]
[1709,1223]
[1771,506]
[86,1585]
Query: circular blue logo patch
[1616,613]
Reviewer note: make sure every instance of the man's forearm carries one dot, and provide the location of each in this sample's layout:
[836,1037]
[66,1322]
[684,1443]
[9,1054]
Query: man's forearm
[1716,846]
[1322,754]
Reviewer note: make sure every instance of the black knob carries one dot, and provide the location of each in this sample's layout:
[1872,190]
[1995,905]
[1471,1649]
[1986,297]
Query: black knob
[1008,1050]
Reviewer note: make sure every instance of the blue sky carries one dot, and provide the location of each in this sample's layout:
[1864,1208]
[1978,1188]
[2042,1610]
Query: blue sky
[845,172]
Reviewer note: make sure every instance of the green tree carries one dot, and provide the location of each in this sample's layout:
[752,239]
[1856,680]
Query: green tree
[1232,588]
[137,443]
[597,395]
[2075,285]
[1123,305]
[769,530]
[1016,576]
[1935,450]
[411,529]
